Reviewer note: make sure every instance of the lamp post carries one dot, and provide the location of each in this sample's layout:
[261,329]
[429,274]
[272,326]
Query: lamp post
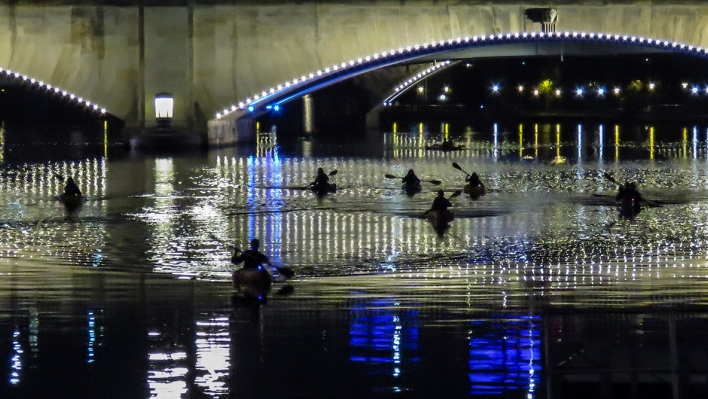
[164,105]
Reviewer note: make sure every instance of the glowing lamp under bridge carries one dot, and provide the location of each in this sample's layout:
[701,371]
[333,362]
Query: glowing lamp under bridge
[164,105]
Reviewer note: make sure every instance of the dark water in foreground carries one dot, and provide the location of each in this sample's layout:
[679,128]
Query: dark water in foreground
[538,289]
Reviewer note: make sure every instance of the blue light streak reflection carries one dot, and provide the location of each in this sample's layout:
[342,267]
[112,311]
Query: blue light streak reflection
[384,337]
[505,354]
[16,359]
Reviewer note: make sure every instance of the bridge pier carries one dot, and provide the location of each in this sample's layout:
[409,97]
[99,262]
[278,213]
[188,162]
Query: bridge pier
[230,131]
[308,114]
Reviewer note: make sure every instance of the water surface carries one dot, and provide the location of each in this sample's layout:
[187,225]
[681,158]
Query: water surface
[537,289]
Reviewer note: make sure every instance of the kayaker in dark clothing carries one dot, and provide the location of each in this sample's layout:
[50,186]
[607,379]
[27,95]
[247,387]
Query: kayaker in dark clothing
[447,145]
[473,180]
[251,258]
[441,203]
[411,180]
[321,181]
[71,189]
[629,192]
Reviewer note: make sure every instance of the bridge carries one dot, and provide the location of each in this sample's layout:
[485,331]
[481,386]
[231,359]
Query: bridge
[226,62]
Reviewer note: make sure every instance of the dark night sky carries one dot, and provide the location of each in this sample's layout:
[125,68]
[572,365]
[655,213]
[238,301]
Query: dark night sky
[471,82]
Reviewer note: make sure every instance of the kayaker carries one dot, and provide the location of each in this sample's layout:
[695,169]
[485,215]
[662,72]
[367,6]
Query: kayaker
[440,203]
[321,181]
[473,180]
[251,258]
[447,145]
[71,189]
[410,179]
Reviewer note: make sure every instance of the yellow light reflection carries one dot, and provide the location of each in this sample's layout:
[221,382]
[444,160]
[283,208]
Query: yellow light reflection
[395,129]
[521,140]
[685,142]
[105,139]
[535,140]
[617,142]
[651,142]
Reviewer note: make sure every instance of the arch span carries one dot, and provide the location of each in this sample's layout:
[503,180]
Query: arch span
[78,101]
[508,44]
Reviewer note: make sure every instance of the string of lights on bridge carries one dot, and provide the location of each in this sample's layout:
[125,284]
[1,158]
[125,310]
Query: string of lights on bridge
[78,100]
[400,54]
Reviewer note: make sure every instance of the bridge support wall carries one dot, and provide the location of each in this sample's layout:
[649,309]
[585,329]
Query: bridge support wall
[212,56]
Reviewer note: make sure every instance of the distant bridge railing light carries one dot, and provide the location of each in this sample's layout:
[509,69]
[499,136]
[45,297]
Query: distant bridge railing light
[6,73]
[402,54]
[403,86]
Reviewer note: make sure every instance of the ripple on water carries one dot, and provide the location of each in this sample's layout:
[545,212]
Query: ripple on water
[542,229]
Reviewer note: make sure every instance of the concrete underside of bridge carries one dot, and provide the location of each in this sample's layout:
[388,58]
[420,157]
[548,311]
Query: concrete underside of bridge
[211,55]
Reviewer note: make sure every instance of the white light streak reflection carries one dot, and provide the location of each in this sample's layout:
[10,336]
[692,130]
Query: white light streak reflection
[213,344]
[167,362]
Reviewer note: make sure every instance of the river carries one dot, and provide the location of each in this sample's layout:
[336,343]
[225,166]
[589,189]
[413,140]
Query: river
[537,289]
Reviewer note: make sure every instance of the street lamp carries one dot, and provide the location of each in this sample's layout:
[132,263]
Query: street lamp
[164,105]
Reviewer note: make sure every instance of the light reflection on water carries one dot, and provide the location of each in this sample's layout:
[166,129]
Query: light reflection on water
[505,355]
[546,236]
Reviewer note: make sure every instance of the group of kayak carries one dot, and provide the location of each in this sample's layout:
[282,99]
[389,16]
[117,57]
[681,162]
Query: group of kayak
[439,215]
[254,280]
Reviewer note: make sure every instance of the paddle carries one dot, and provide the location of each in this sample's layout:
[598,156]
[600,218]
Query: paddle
[612,179]
[456,166]
[285,271]
[434,182]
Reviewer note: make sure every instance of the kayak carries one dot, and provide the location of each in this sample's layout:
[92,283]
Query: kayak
[71,202]
[439,219]
[440,147]
[330,188]
[628,207]
[253,283]
[412,189]
[476,191]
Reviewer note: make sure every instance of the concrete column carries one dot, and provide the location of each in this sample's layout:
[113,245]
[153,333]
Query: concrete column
[308,114]
[141,67]
[168,63]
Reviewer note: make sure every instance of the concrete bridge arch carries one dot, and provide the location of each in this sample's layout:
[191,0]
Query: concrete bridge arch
[212,56]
